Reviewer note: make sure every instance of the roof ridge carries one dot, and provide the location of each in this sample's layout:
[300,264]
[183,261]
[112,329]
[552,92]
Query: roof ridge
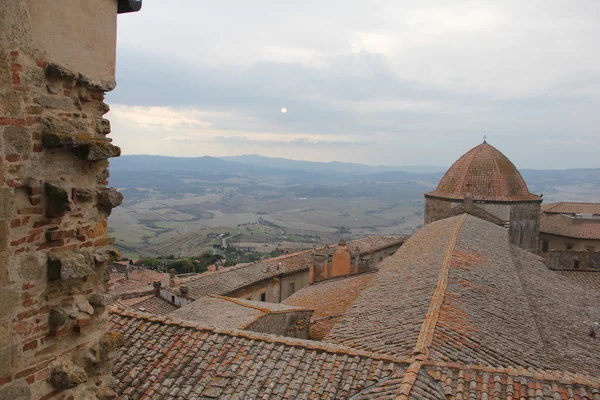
[501,180]
[421,351]
[540,374]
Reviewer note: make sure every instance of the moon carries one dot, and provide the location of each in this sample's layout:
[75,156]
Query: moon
[283,110]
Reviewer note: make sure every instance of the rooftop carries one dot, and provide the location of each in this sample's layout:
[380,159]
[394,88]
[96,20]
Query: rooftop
[457,291]
[227,280]
[230,313]
[571,208]
[329,299]
[150,304]
[138,284]
[585,279]
[367,245]
[166,358]
[486,174]
[580,228]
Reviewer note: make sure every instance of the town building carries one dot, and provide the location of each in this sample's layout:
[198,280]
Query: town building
[457,312]
[570,236]
[352,258]
[489,180]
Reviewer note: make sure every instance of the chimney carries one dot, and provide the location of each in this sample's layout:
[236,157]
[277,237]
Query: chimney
[183,290]
[157,286]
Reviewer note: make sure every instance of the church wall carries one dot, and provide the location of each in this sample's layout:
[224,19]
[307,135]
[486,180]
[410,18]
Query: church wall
[54,200]
[524,227]
[499,210]
[435,206]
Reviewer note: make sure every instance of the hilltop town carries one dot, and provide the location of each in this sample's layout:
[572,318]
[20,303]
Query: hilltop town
[496,295]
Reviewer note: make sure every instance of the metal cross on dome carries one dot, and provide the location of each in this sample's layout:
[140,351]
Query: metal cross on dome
[484,138]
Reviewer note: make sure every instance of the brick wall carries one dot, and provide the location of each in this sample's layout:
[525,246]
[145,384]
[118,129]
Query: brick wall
[54,204]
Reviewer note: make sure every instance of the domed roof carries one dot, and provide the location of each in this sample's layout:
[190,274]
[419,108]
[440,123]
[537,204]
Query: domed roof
[485,174]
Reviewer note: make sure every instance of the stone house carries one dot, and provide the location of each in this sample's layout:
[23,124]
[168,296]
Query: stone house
[570,236]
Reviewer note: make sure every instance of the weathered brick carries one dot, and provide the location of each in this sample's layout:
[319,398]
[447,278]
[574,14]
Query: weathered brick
[12,121]
[30,345]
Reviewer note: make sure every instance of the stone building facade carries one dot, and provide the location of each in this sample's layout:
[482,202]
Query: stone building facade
[351,259]
[488,178]
[57,60]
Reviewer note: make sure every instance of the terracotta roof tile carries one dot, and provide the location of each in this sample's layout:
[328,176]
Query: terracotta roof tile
[501,305]
[585,279]
[565,207]
[486,174]
[329,299]
[166,358]
[224,312]
[139,282]
[152,305]
[580,228]
[227,280]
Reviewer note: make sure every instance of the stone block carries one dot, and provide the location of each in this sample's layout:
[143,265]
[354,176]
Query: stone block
[17,140]
[60,103]
[31,266]
[100,300]
[83,146]
[59,316]
[109,198]
[69,265]
[66,375]
[57,200]
[17,390]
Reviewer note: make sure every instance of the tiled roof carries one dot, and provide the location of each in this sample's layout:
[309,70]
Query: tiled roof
[139,282]
[227,280]
[457,291]
[150,304]
[225,312]
[329,299]
[486,174]
[581,228]
[585,279]
[566,207]
[166,358]
[367,245]
[170,359]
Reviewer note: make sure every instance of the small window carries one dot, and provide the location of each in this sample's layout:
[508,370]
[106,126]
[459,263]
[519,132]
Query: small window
[545,245]
[590,248]
[380,259]
[576,264]
[263,297]
[292,288]
[172,299]
[249,298]
[569,247]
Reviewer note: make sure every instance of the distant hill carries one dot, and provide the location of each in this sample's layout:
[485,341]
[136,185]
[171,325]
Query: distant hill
[322,167]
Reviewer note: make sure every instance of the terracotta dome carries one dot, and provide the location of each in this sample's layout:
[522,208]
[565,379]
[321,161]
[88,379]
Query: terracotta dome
[485,174]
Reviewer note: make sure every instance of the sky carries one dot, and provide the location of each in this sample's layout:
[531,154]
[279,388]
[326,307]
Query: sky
[373,82]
